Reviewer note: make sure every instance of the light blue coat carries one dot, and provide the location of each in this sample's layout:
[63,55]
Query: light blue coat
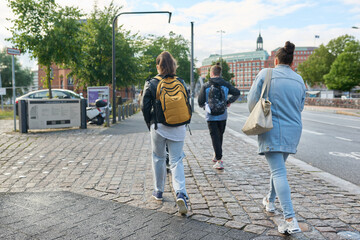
[287,95]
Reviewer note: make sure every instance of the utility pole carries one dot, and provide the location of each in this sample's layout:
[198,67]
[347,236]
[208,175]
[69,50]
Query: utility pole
[221,32]
[192,67]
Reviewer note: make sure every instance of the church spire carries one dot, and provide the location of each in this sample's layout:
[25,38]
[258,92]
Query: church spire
[259,43]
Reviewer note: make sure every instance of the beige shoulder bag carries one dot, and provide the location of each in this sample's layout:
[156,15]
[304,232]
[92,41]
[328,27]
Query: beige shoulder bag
[260,118]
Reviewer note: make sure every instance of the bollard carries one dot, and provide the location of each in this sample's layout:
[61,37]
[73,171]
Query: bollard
[22,106]
[83,124]
[131,109]
[107,117]
[123,112]
[127,110]
[119,112]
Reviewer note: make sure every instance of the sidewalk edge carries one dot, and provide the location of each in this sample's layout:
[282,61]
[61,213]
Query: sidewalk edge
[328,177]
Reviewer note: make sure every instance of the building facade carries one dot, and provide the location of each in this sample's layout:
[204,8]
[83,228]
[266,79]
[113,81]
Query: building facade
[245,66]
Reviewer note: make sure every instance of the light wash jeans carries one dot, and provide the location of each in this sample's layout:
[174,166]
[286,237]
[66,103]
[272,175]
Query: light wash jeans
[176,155]
[278,182]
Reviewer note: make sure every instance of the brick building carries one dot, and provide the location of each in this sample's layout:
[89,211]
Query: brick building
[245,66]
[62,80]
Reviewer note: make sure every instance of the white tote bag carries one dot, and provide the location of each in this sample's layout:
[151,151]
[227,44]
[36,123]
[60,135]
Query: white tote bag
[260,118]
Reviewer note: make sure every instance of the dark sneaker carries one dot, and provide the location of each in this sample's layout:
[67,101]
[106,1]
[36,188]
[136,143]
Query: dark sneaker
[157,195]
[181,202]
[219,165]
[289,227]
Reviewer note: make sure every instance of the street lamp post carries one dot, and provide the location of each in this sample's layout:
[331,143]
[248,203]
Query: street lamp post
[113,53]
[2,103]
[221,32]
[192,68]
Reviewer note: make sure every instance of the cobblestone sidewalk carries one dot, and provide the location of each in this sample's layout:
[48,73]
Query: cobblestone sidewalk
[113,165]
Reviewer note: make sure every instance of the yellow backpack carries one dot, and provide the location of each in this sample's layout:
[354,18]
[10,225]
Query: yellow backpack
[172,104]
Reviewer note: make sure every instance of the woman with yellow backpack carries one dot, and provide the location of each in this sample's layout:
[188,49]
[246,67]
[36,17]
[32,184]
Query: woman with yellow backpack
[166,110]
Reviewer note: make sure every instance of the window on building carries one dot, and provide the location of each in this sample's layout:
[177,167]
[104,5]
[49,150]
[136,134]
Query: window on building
[70,80]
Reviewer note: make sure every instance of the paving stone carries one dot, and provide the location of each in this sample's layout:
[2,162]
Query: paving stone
[254,229]
[233,195]
[218,221]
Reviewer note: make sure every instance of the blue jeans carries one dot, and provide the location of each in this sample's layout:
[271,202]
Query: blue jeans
[176,155]
[278,182]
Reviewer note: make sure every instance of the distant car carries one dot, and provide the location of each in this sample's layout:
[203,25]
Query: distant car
[41,94]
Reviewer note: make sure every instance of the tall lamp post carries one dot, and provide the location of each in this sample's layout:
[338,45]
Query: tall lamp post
[221,32]
[2,103]
[113,53]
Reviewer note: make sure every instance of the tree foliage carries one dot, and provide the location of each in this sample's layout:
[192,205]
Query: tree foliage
[321,62]
[23,77]
[177,45]
[316,66]
[344,73]
[95,65]
[47,31]
[226,74]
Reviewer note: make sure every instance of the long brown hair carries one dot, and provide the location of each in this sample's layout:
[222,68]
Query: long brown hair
[286,53]
[167,64]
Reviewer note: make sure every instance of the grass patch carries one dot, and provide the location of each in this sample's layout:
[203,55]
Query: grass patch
[6,114]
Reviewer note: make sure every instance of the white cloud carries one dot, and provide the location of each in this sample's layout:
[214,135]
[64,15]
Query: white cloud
[240,20]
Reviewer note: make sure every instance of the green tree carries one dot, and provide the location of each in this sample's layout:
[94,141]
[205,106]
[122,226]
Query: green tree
[316,66]
[23,76]
[226,74]
[344,73]
[95,65]
[177,45]
[319,64]
[47,31]
[336,46]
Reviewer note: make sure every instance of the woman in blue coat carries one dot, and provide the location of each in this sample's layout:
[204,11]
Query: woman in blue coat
[287,95]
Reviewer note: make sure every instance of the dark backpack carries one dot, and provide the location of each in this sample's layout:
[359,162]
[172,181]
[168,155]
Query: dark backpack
[216,100]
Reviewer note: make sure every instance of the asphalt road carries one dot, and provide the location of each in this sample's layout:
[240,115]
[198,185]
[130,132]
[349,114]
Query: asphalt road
[329,141]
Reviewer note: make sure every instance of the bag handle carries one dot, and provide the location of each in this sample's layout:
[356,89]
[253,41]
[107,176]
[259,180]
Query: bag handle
[266,84]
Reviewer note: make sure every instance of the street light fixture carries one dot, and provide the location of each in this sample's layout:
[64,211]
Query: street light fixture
[354,27]
[113,53]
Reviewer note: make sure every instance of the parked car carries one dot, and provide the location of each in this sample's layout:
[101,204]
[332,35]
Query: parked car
[41,94]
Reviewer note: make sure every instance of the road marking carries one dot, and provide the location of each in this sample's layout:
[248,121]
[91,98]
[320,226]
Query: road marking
[335,117]
[312,120]
[312,132]
[340,154]
[345,139]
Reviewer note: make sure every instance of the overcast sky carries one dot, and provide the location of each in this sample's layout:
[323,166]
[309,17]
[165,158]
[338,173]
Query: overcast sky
[278,21]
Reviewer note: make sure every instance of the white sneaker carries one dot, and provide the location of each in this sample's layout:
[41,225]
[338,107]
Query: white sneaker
[289,227]
[269,206]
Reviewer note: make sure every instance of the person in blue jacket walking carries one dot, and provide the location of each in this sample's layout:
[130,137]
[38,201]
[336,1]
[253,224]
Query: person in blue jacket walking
[217,123]
[287,95]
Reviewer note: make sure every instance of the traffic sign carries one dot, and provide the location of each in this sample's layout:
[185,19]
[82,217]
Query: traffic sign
[13,51]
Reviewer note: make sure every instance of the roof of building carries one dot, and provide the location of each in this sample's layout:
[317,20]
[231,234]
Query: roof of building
[236,57]
[299,49]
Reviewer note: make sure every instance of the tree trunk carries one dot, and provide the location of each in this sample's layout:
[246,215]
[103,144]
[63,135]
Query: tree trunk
[48,80]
